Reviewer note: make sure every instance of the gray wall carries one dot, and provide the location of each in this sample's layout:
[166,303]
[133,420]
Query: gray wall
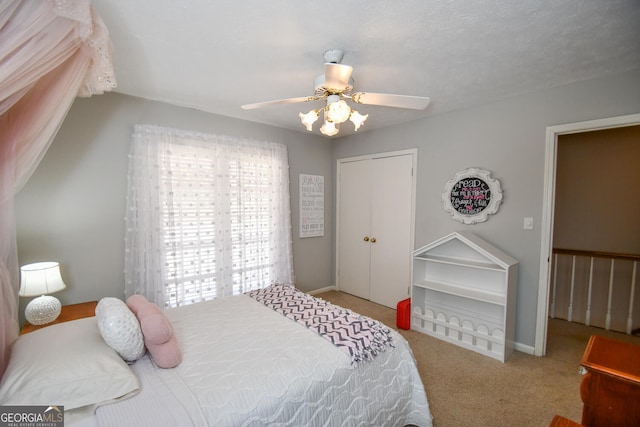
[72,209]
[508,139]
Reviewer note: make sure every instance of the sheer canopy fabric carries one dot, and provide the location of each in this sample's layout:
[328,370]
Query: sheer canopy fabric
[50,52]
[207,216]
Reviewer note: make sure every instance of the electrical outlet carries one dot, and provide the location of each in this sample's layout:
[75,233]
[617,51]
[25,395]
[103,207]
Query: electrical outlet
[528,223]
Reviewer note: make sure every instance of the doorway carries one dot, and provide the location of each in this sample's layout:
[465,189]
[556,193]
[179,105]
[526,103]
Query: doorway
[546,247]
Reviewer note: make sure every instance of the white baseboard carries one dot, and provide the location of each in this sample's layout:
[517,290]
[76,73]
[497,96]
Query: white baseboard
[321,290]
[524,348]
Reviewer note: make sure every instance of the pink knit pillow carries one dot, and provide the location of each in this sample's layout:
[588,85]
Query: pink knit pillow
[159,337]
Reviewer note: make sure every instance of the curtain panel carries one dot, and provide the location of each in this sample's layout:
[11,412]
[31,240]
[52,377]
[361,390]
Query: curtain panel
[50,52]
[207,216]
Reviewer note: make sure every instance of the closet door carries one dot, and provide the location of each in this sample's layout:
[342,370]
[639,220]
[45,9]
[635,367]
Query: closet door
[375,238]
[355,223]
[391,216]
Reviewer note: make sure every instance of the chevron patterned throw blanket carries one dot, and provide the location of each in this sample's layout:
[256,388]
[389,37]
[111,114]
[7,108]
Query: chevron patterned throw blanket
[360,337]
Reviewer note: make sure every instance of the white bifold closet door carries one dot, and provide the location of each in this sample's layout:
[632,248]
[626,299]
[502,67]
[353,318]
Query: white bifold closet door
[375,232]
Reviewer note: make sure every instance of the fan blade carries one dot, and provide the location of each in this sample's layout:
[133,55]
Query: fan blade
[337,76]
[387,100]
[280,102]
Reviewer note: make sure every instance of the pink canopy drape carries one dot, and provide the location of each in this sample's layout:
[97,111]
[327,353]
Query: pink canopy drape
[50,52]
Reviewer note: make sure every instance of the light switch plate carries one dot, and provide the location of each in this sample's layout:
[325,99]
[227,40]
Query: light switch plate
[528,223]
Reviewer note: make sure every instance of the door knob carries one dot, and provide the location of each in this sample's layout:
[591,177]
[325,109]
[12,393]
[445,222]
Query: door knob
[366,238]
[373,240]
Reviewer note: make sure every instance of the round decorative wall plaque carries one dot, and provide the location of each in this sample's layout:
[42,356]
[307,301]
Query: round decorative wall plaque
[472,195]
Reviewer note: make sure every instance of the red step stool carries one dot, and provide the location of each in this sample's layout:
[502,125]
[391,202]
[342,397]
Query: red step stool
[403,317]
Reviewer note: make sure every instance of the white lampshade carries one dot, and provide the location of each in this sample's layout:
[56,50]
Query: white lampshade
[309,119]
[39,279]
[357,119]
[337,109]
[329,128]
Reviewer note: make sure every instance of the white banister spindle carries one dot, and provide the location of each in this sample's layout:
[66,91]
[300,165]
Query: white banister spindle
[573,280]
[607,322]
[555,286]
[631,298]
[587,315]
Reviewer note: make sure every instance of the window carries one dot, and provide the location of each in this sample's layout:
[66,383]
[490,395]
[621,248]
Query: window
[221,212]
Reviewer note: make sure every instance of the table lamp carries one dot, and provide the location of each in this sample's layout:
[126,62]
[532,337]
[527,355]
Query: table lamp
[39,279]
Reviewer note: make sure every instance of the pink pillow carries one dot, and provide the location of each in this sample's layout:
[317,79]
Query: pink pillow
[134,302]
[159,337]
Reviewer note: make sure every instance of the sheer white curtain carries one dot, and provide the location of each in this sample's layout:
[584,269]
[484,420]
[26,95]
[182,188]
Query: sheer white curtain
[207,216]
[50,52]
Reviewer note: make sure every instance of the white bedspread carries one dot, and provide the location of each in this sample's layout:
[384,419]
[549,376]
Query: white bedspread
[246,365]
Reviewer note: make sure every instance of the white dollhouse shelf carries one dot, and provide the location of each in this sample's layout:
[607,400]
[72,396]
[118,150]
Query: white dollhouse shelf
[464,292]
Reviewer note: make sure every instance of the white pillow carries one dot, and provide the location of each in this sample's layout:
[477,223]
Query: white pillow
[66,364]
[120,328]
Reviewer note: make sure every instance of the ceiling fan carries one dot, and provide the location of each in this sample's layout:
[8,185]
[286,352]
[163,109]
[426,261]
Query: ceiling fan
[335,86]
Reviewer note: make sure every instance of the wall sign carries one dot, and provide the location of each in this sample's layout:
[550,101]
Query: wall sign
[472,195]
[311,205]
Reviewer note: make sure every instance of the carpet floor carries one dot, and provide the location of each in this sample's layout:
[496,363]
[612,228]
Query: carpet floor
[465,388]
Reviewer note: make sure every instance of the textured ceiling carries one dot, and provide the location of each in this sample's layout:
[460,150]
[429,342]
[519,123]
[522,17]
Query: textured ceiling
[217,55]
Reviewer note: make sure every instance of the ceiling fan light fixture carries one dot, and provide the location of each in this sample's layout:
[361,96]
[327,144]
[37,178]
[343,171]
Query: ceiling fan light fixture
[335,87]
[309,119]
[357,119]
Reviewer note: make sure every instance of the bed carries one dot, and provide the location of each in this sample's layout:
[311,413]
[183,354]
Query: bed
[244,362]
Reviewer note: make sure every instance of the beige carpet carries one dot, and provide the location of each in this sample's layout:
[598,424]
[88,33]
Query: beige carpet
[465,388]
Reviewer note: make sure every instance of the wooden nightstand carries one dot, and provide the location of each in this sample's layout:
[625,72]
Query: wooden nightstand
[69,312]
[610,390]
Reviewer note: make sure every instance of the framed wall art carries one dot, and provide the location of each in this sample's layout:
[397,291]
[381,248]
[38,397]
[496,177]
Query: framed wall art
[472,195]
[311,205]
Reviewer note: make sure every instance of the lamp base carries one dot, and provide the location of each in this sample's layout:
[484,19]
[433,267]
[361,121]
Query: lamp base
[42,310]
